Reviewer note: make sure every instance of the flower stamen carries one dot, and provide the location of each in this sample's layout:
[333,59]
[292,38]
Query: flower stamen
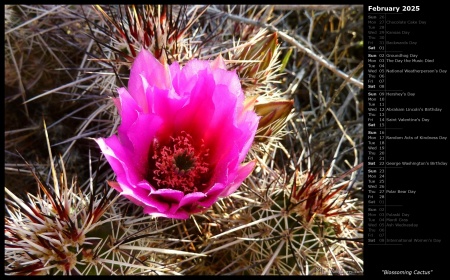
[179,165]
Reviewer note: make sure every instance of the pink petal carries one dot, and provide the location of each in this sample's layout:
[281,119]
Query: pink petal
[165,200]
[141,135]
[248,125]
[194,117]
[225,129]
[231,80]
[212,195]
[226,165]
[218,63]
[186,79]
[147,71]
[168,195]
[177,215]
[119,159]
[222,129]
[242,173]
[191,198]
[145,186]
[165,104]
[115,185]
[174,69]
[153,211]
[128,109]
[117,102]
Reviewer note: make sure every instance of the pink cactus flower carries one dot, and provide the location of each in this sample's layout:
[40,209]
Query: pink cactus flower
[183,136]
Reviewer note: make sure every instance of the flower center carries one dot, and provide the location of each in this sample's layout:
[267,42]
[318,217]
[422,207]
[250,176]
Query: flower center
[178,165]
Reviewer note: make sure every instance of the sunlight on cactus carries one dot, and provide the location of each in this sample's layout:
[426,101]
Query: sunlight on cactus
[45,233]
[160,29]
[287,235]
[274,116]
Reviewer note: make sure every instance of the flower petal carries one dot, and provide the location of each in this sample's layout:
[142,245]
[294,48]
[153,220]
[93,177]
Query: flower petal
[165,104]
[222,129]
[186,79]
[147,71]
[242,173]
[218,63]
[212,195]
[231,80]
[202,101]
[248,126]
[128,110]
[195,116]
[182,215]
[191,198]
[119,159]
[141,135]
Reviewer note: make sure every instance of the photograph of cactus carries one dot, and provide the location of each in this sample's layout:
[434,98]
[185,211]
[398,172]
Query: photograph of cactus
[184,140]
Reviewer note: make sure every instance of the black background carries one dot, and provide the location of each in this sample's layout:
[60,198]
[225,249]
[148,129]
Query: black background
[428,208]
